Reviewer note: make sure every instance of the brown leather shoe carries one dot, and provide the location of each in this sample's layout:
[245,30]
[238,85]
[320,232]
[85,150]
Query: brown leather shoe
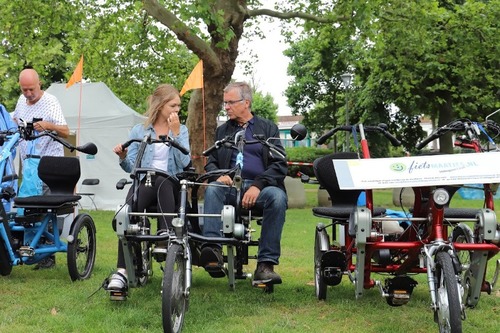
[212,260]
[265,274]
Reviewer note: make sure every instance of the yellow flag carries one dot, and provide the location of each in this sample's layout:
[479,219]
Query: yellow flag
[195,79]
[77,74]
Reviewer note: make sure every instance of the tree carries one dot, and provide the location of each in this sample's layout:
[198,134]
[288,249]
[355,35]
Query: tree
[122,47]
[225,21]
[264,106]
[435,58]
[37,36]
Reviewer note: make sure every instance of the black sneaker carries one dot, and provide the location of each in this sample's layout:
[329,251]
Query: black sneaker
[264,273]
[212,260]
[46,263]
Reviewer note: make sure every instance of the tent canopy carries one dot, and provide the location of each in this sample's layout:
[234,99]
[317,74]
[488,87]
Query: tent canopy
[106,121]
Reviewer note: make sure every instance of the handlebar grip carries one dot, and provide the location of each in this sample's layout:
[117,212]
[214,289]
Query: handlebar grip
[325,137]
[210,150]
[121,183]
[331,132]
[425,141]
[126,144]
[395,142]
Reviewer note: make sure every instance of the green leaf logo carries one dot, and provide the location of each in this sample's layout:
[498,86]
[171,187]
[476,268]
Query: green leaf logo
[398,167]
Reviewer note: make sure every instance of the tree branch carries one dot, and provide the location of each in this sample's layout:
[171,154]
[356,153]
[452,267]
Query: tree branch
[290,15]
[197,45]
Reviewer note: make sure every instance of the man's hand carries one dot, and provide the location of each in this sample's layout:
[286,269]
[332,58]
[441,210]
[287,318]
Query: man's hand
[250,197]
[226,180]
[62,130]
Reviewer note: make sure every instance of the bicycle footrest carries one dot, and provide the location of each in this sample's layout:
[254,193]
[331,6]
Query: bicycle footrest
[26,251]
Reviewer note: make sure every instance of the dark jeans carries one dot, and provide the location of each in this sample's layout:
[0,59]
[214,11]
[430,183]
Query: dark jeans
[273,203]
[162,195]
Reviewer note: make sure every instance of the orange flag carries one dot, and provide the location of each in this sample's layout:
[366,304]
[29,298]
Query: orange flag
[195,79]
[77,74]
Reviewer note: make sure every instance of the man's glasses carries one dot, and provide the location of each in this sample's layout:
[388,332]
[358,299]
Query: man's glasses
[231,103]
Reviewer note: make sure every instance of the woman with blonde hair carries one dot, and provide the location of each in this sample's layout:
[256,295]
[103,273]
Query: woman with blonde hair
[162,119]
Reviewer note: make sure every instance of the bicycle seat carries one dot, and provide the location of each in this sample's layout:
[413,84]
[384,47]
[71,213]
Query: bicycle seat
[343,201]
[60,174]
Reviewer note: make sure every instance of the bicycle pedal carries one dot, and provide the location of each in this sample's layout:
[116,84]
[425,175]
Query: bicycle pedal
[261,283]
[118,295]
[267,285]
[160,254]
[162,250]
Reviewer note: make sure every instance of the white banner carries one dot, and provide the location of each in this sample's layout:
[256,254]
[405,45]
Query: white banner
[431,170]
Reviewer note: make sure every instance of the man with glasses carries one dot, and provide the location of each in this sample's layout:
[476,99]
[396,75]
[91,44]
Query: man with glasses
[263,185]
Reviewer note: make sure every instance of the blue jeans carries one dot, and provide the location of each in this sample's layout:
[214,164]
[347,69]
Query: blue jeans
[272,201]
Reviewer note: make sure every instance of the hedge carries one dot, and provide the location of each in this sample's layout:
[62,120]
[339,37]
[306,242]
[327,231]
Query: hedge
[304,155]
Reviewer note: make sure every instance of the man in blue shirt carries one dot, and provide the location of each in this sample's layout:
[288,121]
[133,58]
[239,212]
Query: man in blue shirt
[263,185]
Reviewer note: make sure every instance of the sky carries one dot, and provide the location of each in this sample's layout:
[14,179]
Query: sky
[269,73]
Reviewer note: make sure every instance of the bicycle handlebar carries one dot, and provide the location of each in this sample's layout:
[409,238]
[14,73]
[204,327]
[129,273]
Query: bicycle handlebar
[228,142]
[381,128]
[26,133]
[470,128]
[162,139]
[88,148]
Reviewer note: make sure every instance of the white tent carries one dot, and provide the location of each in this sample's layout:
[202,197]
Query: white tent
[106,121]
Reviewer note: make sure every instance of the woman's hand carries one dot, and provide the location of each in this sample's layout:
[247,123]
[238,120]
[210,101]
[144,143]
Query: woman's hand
[118,150]
[174,123]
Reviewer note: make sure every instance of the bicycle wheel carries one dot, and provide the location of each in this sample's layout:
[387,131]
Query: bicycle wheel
[448,313]
[462,234]
[174,297]
[81,248]
[320,285]
[5,264]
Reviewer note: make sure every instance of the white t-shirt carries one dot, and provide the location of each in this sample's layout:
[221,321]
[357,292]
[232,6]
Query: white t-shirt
[160,157]
[48,109]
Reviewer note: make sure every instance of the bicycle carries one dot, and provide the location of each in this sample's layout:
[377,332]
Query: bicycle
[419,243]
[27,239]
[473,264]
[184,238]
[134,231]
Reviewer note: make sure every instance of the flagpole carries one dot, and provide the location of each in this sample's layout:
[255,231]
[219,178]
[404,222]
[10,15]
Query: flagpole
[204,120]
[79,114]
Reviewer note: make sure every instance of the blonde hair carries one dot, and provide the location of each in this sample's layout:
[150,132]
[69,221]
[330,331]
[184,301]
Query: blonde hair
[163,94]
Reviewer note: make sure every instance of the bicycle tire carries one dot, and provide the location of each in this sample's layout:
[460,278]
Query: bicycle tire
[320,285]
[448,312]
[82,248]
[174,297]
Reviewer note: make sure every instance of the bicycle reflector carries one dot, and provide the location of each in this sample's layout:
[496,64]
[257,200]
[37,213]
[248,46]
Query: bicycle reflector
[441,196]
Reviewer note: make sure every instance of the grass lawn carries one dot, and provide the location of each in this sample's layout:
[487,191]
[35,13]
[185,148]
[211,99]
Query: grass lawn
[47,301]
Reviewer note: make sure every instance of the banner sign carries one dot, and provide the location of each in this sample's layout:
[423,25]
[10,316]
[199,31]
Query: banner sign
[414,171]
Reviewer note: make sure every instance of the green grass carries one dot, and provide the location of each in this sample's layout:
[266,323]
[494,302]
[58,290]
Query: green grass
[47,301]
